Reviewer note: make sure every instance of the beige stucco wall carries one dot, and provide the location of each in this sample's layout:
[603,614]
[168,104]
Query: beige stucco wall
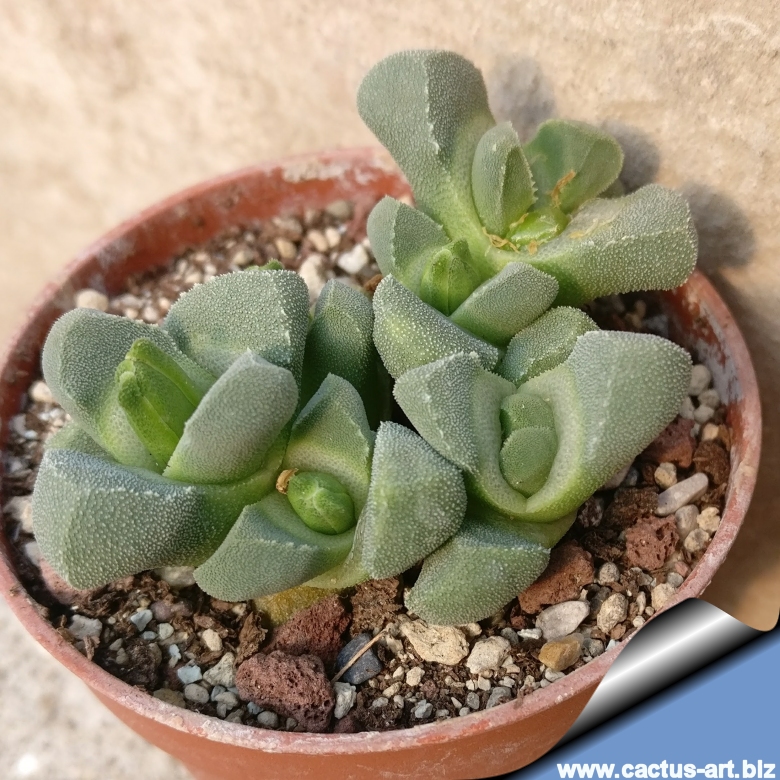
[107,106]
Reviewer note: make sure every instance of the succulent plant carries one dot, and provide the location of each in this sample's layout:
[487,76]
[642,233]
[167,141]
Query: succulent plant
[476,320]
[235,437]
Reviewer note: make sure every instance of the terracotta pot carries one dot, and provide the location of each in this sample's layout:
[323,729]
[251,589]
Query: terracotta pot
[483,744]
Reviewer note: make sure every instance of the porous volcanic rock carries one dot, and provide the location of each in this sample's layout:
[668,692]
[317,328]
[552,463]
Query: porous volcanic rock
[569,570]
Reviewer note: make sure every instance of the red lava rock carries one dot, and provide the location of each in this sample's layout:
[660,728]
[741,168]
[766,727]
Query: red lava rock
[569,570]
[516,618]
[349,724]
[315,630]
[291,686]
[682,568]
[650,542]
[674,445]
[712,459]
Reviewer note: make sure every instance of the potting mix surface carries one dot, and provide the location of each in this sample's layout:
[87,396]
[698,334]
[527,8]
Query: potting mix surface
[632,545]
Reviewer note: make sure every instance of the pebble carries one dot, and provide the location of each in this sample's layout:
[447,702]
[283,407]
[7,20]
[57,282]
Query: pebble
[608,572]
[710,398]
[91,299]
[471,630]
[116,644]
[149,636]
[701,379]
[552,676]
[498,695]
[122,658]
[661,594]
[237,716]
[508,682]
[439,644]
[353,261]
[399,673]
[675,579]
[472,701]
[175,653]
[289,225]
[318,241]
[253,709]
[141,619]
[365,668]
[268,719]
[176,698]
[703,414]
[379,703]
[228,698]
[414,676]
[224,673]
[423,710]
[685,492]
[211,640]
[20,509]
[562,619]
[196,693]
[593,647]
[82,627]
[709,519]
[530,633]
[464,711]
[190,673]
[638,621]
[696,541]
[471,685]
[442,714]
[333,237]
[488,654]
[666,475]
[687,519]
[340,209]
[33,553]
[177,576]
[216,691]
[39,393]
[560,654]
[613,611]
[312,271]
[346,696]
[510,635]
[391,690]
[457,703]
[710,432]
[687,409]
[165,631]
[286,249]
[483,684]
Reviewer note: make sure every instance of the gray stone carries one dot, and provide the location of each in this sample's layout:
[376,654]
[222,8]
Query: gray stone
[700,379]
[438,644]
[165,631]
[223,673]
[696,541]
[464,711]
[196,693]
[562,619]
[686,518]
[685,492]
[674,579]
[552,675]
[488,654]
[498,695]
[379,702]
[613,611]
[510,635]
[268,719]
[253,709]
[593,647]
[483,683]
[366,667]
[216,691]
[228,698]
[141,619]
[608,572]
[190,673]
[149,636]
[346,696]
[82,627]
[423,710]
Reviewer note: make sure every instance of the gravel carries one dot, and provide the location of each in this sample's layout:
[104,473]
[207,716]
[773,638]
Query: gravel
[141,619]
[83,627]
[440,644]
[91,299]
[423,710]
[608,573]
[488,654]
[560,620]
[223,673]
[346,696]
[613,611]
[498,695]
[686,518]
[414,676]
[685,492]
[268,719]
[189,673]
[196,693]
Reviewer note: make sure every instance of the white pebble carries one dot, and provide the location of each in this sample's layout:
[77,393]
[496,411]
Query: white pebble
[661,594]
[165,631]
[530,633]
[687,409]
[675,579]
[318,240]
[33,553]
[189,673]
[141,619]
[149,636]
[700,379]
[379,702]
[312,271]
[20,509]
[228,698]
[414,676]
[175,653]
[40,393]
[196,693]
[423,710]
[665,475]
[709,519]
[710,398]
[696,541]
[391,690]
[686,518]
[710,432]
[286,249]
[613,611]
[91,299]
[398,701]
[488,654]
[346,696]
[562,619]
[608,573]
[483,684]
[703,414]
[354,260]
[333,237]
[82,627]
[685,492]
[464,711]
[223,673]
[211,640]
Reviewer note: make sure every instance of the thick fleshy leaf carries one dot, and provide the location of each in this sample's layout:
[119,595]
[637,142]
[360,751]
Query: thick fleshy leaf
[403,239]
[416,501]
[525,411]
[505,304]
[409,333]
[340,342]
[97,521]
[544,344]
[331,434]
[572,162]
[645,241]
[80,359]
[526,458]
[268,550]
[430,108]
[482,568]
[233,428]
[501,179]
[265,312]
[448,279]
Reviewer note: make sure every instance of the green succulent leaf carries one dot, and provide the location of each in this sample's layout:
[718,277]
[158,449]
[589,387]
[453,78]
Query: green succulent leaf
[340,342]
[409,333]
[265,312]
[416,501]
[645,241]
[544,344]
[331,435]
[501,179]
[448,279]
[430,109]
[80,360]
[321,501]
[537,227]
[526,458]
[235,425]
[505,304]
[268,550]
[479,570]
[572,162]
[525,411]
[97,520]
[403,240]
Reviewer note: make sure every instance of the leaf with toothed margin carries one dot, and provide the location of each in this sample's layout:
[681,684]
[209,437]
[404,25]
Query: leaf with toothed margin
[403,239]
[80,359]
[416,501]
[265,312]
[505,304]
[331,434]
[409,333]
[340,342]
[97,521]
[501,179]
[430,109]
[478,571]
[268,550]
[544,344]
[645,241]
[572,162]
[230,432]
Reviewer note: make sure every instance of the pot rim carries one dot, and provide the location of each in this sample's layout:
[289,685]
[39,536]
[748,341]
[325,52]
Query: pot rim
[741,484]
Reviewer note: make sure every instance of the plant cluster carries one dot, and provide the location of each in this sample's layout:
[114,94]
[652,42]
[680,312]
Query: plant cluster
[253,442]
